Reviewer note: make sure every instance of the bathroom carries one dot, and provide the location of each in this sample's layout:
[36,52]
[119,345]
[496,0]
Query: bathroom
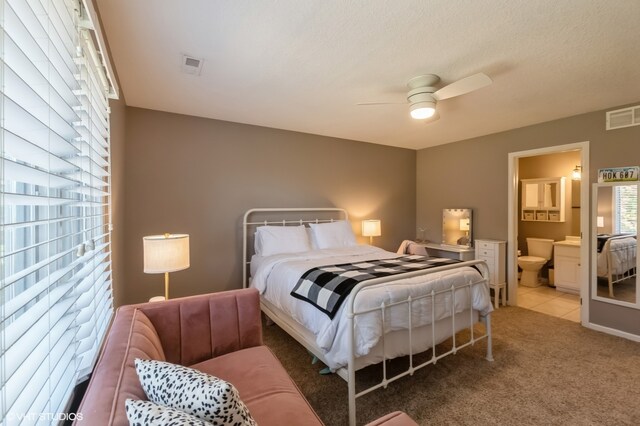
[552,183]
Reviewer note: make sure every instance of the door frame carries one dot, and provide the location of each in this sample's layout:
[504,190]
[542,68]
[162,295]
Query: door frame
[513,216]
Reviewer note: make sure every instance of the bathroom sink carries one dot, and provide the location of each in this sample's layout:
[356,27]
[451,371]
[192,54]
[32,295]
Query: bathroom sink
[568,241]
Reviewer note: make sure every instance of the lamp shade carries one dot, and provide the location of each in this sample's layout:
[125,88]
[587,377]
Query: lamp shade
[165,253]
[371,228]
[600,221]
[464,224]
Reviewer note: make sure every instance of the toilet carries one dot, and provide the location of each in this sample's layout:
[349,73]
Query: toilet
[540,250]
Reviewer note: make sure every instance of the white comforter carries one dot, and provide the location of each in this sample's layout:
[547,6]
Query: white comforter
[275,277]
[623,256]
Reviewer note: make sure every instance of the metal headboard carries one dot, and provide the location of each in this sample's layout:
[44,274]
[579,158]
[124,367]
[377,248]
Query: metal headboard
[282,217]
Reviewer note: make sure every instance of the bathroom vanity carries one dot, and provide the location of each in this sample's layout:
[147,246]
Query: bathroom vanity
[566,261]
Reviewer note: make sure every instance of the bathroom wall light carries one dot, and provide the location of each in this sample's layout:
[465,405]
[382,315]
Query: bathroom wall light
[576,174]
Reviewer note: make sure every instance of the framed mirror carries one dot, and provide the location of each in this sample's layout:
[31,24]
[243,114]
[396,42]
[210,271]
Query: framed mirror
[457,227]
[614,262]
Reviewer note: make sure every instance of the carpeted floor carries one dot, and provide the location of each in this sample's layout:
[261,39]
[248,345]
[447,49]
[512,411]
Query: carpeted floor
[547,371]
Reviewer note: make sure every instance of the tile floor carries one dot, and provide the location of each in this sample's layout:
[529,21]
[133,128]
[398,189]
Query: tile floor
[550,301]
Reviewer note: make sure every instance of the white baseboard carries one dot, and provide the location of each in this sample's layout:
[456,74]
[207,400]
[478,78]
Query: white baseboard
[613,331]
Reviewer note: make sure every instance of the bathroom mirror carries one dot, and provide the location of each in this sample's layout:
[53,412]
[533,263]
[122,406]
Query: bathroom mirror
[614,218]
[457,227]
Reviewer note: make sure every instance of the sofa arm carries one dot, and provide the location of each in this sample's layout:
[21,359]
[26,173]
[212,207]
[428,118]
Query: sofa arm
[193,329]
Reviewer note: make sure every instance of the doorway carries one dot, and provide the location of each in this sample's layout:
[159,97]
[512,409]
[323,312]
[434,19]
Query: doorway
[515,215]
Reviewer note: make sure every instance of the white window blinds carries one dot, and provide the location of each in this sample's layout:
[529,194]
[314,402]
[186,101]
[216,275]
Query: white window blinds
[625,207]
[55,263]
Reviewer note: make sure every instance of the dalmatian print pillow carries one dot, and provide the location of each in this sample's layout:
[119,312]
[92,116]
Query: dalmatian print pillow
[146,413]
[206,397]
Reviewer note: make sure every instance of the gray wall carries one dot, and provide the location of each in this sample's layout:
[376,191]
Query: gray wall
[473,173]
[198,176]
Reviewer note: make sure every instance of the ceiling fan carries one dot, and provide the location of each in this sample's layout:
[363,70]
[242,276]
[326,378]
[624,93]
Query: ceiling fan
[423,96]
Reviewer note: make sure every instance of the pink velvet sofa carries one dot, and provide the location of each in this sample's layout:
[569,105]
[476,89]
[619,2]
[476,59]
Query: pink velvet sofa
[219,334]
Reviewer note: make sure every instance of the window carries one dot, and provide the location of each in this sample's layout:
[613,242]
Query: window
[55,262]
[625,207]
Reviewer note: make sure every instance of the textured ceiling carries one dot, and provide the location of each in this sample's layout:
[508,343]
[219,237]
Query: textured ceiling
[304,64]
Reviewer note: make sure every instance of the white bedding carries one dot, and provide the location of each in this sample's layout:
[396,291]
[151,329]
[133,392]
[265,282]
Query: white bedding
[623,256]
[275,276]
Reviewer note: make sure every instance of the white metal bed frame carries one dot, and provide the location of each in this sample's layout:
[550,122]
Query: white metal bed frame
[307,339]
[628,253]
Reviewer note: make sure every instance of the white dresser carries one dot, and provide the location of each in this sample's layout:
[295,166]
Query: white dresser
[494,253]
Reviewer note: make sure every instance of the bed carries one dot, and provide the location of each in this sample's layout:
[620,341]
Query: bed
[421,304]
[616,258]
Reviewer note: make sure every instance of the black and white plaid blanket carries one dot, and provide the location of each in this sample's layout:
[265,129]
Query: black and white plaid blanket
[326,287]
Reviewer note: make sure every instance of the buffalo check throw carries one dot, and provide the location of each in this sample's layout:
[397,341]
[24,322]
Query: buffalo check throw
[326,287]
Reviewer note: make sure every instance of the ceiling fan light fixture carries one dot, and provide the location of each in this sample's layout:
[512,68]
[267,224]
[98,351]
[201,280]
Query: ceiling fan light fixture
[422,110]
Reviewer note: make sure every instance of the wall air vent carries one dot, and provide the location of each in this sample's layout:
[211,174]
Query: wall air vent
[191,65]
[625,117]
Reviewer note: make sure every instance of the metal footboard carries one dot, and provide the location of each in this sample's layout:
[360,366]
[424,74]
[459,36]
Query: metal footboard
[625,266]
[454,290]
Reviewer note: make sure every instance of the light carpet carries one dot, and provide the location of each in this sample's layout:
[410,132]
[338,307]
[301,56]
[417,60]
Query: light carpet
[547,371]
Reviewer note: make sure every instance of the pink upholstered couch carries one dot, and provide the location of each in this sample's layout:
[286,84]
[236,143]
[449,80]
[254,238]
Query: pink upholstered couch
[219,334]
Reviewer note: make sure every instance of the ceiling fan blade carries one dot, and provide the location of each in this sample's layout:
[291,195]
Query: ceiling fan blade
[382,103]
[465,85]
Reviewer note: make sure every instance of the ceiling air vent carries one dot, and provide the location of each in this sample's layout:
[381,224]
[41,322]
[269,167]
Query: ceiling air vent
[625,117]
[191,65]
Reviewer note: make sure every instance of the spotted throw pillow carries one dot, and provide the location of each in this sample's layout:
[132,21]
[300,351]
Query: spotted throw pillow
[206,397]
[147,413]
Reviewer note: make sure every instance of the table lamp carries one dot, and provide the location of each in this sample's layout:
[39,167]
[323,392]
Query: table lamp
[371,228]
[165,253]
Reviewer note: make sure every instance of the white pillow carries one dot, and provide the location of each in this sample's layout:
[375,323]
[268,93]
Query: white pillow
[145,413]
[312,239]
[207,397]
[270,240]
[333,235]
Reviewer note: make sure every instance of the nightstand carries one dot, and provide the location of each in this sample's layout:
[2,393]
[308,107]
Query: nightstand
[494,253]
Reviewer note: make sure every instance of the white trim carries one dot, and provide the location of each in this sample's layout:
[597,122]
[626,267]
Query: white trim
[513,215]
[593,282]
[613,332]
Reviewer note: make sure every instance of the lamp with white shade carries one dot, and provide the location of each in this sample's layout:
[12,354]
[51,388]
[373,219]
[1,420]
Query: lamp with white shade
[600,221]
[165,253]
[371,228]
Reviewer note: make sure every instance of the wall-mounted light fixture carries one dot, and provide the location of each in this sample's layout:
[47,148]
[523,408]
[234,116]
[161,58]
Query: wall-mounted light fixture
[576,174]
